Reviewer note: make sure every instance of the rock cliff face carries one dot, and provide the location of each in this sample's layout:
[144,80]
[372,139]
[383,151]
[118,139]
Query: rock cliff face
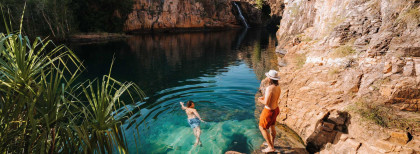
[268,16]
[172,15]
[181,14]
[350,74]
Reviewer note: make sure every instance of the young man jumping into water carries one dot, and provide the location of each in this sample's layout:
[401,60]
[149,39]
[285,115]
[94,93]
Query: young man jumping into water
[271,110]
[194,120]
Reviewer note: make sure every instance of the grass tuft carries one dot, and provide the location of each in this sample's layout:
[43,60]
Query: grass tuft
[333,71]
[375,4]
[383,116]
[411,17]
[300,60]
[343,51]
[332,23]
[260,4]
[304,38]
[294,10]
[378,83]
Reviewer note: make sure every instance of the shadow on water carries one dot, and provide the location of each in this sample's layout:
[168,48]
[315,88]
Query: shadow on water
[238,142]
[218,70]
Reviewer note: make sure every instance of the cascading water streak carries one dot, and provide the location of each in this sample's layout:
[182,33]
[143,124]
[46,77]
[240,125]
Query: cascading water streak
[240,15]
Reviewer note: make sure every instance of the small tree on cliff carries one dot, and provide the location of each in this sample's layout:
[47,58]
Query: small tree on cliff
[260,4]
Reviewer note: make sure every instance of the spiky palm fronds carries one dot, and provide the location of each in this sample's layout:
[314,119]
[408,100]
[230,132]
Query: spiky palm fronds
[42,110]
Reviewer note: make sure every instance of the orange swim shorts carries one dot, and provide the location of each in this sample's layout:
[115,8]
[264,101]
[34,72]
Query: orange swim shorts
[268,117]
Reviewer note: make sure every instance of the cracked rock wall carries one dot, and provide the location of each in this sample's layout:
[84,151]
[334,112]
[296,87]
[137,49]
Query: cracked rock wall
[338,58]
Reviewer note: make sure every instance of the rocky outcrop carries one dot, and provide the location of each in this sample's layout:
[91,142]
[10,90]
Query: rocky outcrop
[180,14]
[350,74]
[270,13]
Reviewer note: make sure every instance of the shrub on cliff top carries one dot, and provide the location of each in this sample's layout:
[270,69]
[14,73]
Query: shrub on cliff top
[260,4]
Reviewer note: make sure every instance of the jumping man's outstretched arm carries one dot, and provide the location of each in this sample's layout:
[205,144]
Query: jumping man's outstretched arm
[182,105]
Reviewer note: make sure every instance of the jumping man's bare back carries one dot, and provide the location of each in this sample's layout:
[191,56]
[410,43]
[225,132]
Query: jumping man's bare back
[191,113]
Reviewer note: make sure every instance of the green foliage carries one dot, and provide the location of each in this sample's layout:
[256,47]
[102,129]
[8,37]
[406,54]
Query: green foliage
[101,15]
[260,4]
[43,17]
[59,18]
[43,110]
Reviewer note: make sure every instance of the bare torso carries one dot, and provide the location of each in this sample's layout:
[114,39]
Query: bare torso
[190,113]
[273,100]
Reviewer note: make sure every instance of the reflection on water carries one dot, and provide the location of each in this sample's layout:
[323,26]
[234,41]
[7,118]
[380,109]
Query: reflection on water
[218,70]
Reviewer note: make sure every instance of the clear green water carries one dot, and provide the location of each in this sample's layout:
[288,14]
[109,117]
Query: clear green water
[218,70]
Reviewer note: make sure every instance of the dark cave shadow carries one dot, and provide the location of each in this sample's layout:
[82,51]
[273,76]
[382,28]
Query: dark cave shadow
[328,130]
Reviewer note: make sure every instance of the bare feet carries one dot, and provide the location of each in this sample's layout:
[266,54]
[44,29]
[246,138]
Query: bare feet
[268,149]
[265,143]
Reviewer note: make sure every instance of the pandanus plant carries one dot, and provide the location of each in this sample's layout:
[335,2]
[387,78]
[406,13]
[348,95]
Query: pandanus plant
[44,110]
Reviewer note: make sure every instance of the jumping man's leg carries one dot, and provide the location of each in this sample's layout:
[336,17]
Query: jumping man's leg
[273,133]
[266,136]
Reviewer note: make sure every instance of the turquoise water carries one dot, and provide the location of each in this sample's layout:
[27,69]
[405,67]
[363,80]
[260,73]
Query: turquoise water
[224,99]
[217,70]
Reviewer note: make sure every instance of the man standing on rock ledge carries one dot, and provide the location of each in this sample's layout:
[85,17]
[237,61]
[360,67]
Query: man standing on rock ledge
[271,110]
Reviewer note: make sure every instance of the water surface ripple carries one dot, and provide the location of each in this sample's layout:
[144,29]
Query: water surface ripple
[220,71]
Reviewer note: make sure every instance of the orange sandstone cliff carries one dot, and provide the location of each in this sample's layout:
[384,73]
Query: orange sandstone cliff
[350,74]
[163,15]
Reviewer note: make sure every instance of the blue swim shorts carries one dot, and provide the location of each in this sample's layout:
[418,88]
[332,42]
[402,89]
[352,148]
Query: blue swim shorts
[194,122]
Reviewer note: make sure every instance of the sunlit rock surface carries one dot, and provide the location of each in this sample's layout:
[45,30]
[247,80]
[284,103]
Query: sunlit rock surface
[190,15]
[166,15]
[350,76]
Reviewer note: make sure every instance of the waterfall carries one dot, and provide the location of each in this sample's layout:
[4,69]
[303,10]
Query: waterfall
[241,38]
[240,15]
